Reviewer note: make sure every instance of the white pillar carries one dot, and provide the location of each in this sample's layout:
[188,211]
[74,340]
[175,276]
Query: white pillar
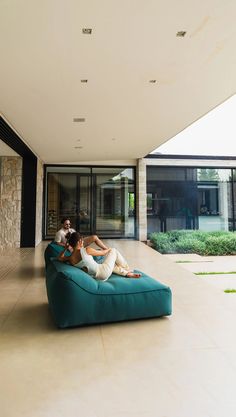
[141,200]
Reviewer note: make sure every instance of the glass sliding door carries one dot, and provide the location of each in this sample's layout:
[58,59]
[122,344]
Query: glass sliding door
[171,199]
[84,204]
[68,194]
[96,200]
[114,202]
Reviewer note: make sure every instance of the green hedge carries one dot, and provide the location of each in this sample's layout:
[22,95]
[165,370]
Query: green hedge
[195,241]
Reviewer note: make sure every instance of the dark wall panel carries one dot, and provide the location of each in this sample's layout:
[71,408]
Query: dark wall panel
[29,183]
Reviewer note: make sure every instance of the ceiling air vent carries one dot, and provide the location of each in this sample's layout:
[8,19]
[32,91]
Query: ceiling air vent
[181,33]
[79,119]
[87,31]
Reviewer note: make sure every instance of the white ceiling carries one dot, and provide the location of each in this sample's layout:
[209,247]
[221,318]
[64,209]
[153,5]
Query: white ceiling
[44,56]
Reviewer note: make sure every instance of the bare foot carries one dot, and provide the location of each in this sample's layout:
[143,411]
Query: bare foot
[133,275]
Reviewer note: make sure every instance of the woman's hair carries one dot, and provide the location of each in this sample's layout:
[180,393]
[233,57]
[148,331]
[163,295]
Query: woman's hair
[74,238]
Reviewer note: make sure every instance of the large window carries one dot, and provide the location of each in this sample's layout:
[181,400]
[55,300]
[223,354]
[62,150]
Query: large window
[189,198]
[97,200]
[215,199]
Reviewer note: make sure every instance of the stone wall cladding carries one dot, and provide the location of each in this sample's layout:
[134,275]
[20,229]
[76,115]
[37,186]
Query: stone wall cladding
[39,203]
[10,201]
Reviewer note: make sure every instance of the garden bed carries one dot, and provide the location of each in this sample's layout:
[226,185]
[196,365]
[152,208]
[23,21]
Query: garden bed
[195,241]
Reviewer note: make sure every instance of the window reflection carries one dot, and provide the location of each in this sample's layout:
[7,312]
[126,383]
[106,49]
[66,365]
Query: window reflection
[189,198]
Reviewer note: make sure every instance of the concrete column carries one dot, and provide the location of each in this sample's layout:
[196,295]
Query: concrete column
[141,200]
[39,203]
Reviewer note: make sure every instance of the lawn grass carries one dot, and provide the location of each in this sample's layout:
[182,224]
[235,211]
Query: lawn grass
[215,273]
[190,262]
[184,262]
[230,291]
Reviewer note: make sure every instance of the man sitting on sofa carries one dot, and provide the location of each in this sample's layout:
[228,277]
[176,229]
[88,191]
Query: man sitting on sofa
[64,233]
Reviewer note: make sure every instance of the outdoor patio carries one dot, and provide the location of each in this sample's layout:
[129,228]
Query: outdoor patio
[180,366]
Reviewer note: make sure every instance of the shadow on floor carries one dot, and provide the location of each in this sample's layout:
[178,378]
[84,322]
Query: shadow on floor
[35,319]
[27,272]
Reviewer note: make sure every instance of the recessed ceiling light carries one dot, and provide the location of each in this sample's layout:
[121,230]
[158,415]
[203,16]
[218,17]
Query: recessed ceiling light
[181,33]
[79,119]
[152,81]
[87,31]
[113,138]
[84,81]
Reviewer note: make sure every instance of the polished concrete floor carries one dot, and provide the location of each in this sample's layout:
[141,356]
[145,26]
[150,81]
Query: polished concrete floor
[180,366]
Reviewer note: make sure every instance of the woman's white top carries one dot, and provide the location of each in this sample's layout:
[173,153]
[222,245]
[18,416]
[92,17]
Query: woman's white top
[88,262]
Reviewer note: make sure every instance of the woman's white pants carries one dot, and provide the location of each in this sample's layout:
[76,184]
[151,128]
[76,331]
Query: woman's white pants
[113,262]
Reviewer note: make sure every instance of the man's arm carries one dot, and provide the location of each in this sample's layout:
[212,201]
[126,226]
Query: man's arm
[61,257]
[60,243]
[94,252]
[88,240]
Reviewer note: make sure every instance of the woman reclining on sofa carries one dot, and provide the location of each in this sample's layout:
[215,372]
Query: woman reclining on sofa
[83,258]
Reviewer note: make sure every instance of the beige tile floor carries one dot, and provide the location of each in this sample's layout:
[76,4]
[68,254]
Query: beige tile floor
[207,264]
[181,366]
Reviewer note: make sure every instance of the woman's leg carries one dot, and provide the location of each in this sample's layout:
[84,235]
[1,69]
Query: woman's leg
[121,267]
[115,262]
[106,268]
[120,260]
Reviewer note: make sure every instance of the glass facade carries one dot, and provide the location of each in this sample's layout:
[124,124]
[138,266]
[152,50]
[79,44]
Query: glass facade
[190,198]
[97,200]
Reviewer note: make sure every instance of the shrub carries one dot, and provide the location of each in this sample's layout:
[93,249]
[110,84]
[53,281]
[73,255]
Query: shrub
[199,247]
[183,246]
[190,246]
[221,245]
[162,243]
[191,241]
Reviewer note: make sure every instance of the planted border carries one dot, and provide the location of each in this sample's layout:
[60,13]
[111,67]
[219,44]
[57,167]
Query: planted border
[195,241]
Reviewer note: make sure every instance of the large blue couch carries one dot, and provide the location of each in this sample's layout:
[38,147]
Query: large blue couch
[76,299]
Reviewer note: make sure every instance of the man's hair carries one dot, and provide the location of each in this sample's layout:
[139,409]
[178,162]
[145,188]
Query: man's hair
[74,238]
[64,220]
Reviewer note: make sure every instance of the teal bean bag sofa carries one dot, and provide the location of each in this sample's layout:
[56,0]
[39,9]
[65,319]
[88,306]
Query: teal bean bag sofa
[77,299]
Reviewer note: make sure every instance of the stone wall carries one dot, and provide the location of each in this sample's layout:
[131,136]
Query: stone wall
[10,201]
[39,203]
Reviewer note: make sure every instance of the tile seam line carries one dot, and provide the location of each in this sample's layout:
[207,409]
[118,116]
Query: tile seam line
[14,306]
